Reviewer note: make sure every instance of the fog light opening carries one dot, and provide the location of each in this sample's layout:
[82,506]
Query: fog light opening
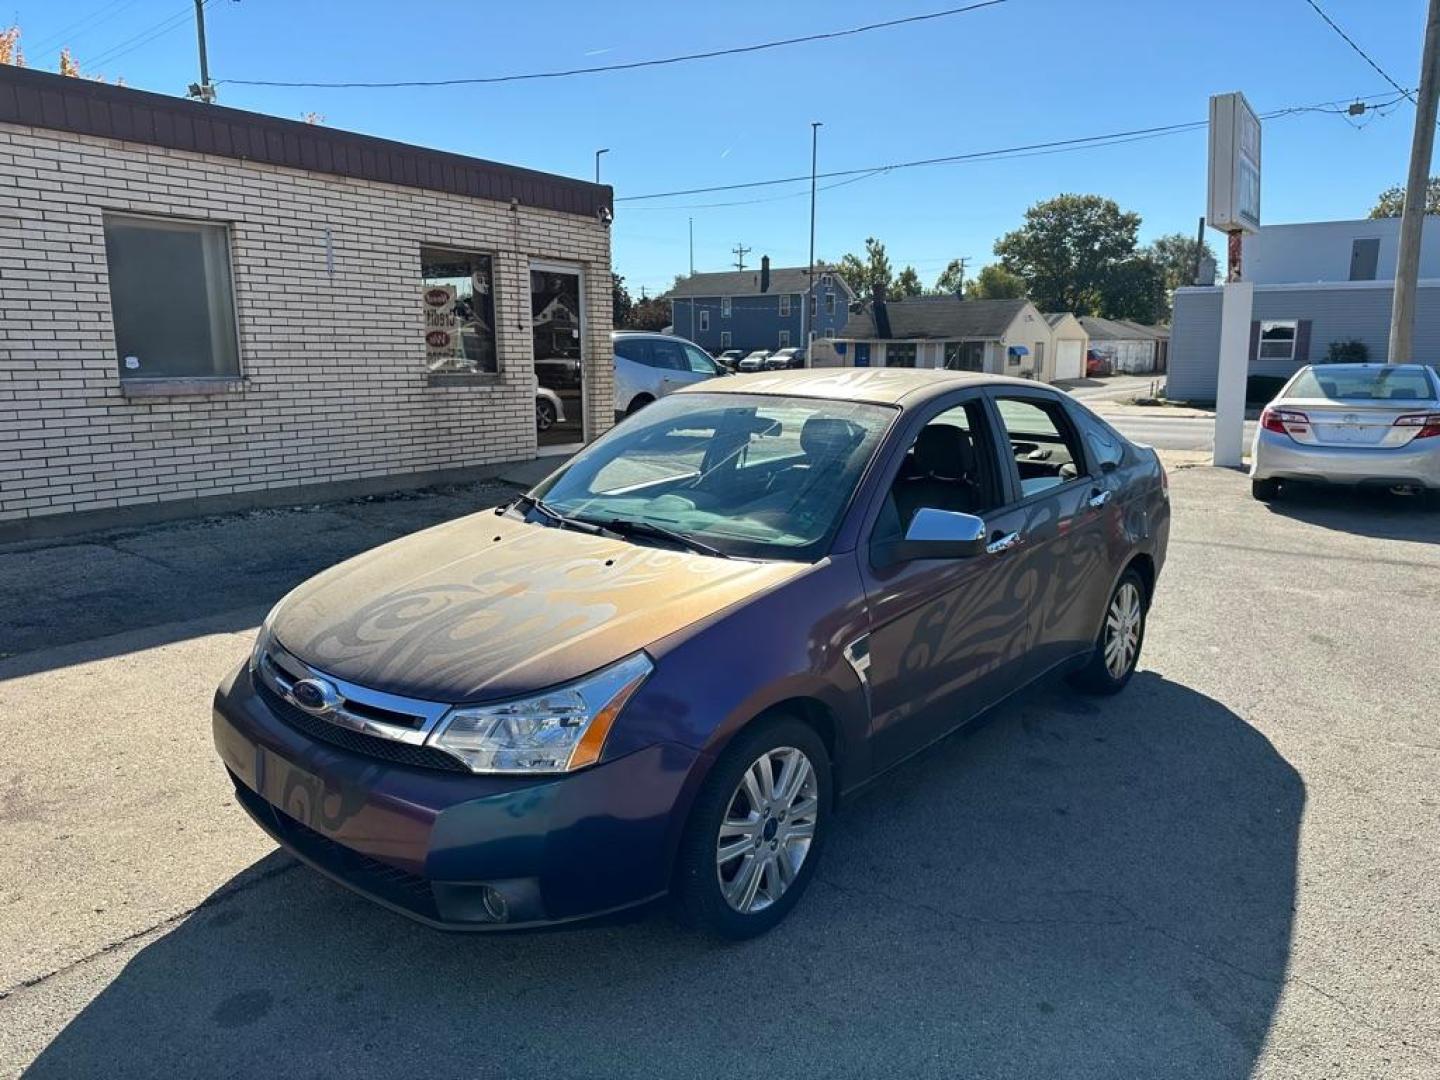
[495,904]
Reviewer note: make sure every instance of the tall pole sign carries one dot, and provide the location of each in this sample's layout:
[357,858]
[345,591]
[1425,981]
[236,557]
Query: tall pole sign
[1234,209]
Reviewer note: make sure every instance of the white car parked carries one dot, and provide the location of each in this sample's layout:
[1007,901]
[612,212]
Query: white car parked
[755,361]
[649,366]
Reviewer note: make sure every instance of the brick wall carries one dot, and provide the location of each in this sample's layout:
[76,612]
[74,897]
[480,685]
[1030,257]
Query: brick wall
[335,387]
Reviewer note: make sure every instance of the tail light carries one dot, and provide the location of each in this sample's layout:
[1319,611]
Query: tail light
[1428,423]
[1284,421]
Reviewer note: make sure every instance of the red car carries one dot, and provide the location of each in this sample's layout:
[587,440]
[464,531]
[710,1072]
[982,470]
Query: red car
[1095,364]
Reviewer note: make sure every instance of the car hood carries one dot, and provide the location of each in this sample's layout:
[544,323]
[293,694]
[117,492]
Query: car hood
[487,606]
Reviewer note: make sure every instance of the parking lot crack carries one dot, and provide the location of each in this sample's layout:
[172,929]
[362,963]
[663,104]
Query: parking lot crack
[212,901]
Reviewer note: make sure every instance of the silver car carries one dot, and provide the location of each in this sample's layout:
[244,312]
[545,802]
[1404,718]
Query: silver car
[649,366]
[755,361]
[1375,424]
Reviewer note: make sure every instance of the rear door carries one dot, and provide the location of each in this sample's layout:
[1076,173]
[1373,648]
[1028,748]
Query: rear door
[1062,508]
[672,369]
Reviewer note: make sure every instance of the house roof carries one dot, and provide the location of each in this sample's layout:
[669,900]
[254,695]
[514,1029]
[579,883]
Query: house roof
[783,279]
[1121,330]
[85,107]
[937,318]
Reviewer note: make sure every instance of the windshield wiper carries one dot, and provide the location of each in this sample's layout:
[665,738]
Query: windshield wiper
[631,528]
[556,518]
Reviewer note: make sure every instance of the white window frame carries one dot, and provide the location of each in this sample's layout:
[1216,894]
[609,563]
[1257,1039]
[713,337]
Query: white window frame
[824,279]
[784,340]
[704,320]
[829,303]
[724,339]
[784,305]
[725,307]
[1260,344]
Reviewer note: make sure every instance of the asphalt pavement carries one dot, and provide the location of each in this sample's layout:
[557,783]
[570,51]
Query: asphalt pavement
[1227,871]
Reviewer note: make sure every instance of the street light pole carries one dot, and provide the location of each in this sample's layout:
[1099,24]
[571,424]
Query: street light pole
[597,162]
[1412,218]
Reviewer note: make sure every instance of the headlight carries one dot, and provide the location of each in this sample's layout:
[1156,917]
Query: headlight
[559,730]
[262,639]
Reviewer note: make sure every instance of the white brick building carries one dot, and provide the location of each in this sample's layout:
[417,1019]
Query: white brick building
[203,309]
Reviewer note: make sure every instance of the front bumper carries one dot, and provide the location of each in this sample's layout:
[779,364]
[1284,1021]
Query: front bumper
[1279,457]
[431,844]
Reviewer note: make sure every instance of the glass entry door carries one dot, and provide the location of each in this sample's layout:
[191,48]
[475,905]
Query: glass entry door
[556,315]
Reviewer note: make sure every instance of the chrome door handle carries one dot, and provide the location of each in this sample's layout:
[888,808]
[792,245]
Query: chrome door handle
[1099,499]
[1003,544]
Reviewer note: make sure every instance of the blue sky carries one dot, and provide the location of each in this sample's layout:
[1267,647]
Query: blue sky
[1026,71]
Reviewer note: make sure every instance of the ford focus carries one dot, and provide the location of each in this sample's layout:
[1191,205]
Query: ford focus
[661,671]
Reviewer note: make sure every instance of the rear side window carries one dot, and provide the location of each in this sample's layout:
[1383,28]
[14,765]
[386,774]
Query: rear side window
[636,350]
[668,355]
[1105,445]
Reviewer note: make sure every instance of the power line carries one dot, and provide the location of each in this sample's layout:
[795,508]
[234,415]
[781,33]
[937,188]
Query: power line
[145,36]
[1023,150]
[81,27]
[1363,54]
[632,65]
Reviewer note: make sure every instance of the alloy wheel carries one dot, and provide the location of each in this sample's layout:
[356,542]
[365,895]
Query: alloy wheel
[1122,629]
[767,830]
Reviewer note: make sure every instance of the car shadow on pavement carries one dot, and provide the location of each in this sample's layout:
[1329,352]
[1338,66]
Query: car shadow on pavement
[1373,512]
[1072,888]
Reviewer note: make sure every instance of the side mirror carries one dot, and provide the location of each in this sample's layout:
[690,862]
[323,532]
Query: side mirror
[939,534]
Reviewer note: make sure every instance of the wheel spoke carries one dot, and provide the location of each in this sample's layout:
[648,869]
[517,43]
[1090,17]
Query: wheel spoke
[798,777]
[725,852]
[737,827]
[765,772]
[751,783]
[804,810]
[804,831]
[741,889]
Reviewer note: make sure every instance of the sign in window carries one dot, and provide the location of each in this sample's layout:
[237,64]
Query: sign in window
[458,307]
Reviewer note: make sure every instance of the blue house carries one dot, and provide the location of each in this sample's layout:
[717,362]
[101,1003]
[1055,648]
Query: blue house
[759,309]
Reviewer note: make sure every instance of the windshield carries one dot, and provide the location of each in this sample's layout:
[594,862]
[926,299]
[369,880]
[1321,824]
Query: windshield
[752,475]
[1363,384]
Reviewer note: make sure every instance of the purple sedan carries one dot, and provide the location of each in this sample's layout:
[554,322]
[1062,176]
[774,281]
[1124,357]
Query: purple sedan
[661,671]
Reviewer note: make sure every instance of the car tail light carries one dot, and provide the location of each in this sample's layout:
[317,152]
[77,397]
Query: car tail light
[1284,421]
[1428,423]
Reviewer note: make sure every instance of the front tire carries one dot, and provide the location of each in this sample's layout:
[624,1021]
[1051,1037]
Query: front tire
[755,834]
[1265,490]
[639,403]
[1122,633]
[544,415]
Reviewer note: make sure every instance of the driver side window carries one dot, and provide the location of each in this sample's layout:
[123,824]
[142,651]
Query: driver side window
[949,466]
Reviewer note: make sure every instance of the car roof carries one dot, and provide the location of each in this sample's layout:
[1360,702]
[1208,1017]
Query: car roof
[885,386]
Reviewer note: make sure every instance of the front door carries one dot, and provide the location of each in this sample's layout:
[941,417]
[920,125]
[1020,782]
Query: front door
[945,634]
[557,328]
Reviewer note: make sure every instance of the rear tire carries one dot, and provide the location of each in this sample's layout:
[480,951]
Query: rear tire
[1122,633]
[544,415]
[1265,490]
[639,403]
[778,853]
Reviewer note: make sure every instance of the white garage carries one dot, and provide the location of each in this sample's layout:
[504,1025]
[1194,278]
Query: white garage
[1068,344]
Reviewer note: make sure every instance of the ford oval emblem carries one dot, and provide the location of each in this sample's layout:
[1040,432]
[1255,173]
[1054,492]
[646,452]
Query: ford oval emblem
[316,696]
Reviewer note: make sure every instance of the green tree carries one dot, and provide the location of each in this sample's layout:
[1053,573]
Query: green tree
[994,282]
[1392,200]
[951,280]
[651,313]
[1068,250]
[862,274]
[621,303]
[1134,288]
[1175,253]
[906,284]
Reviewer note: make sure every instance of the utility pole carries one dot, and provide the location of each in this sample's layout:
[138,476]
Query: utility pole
[597,162]
[692,247]
[740,250]
[1412,219]
[204,90]
[806,325]
[960,289]
[1199,251]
